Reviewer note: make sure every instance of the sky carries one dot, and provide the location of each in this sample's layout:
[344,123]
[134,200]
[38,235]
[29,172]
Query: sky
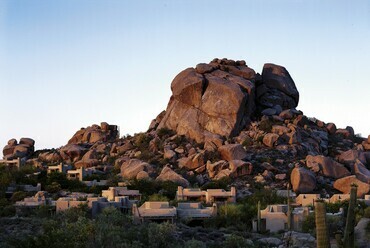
[67,64]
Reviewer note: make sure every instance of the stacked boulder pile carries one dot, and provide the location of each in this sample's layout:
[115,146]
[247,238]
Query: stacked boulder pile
[225,120]
[25,148]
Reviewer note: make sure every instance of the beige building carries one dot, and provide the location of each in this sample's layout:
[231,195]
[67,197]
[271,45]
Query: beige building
[61,168]
[208,196]
[29,203]
[195,210]
[154,211]
[113,192]
[307,199]
[338,198]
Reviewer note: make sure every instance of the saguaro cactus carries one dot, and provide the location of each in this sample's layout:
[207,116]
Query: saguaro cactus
[349,231]
[322,234]
[289,213]
[259,216]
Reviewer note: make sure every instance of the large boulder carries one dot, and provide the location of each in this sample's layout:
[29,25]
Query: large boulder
[90,159]
[192,162]
[232,152]
[344,185]
[361,172]
[167,174]
[72,152]
[131,168]
[219,98]
[277,88]
[302,180]
[326,166]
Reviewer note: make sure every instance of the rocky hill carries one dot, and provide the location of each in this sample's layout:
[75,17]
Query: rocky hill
[223,120]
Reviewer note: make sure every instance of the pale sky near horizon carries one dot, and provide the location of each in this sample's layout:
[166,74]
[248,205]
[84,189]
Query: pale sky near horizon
[67,64]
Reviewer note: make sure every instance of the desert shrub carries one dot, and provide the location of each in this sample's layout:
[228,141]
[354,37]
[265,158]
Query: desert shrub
[141,141]
[194,244]
[367,212]
[18,196]
[223,183]
[165,132]
[158,197]
[265,125]
[335,206]
[212,156]
[308,224]
[160,235]
[54,187]
[234,241]
[247,142]
[265,196]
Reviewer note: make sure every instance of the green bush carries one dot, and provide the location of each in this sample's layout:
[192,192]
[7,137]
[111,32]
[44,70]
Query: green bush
[18,196]
[158,197]
[234,241]
[265,125]
[247,142]
[54,187]
[194,244]
[165,132]
[308,224]
[367,212]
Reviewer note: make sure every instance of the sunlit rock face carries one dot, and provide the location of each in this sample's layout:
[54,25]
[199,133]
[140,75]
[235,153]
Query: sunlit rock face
[217,100]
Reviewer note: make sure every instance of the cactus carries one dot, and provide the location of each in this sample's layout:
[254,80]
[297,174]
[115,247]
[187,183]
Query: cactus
[259,216]
[322,234]
[289,213]
[349,231]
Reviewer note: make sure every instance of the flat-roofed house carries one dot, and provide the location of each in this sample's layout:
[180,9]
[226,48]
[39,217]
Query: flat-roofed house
[276,217]
[154,211]
[190,194]
[209,196]
[195,210]
[61,168]
[221,195]
[338,198]
[307,199]
[113,192]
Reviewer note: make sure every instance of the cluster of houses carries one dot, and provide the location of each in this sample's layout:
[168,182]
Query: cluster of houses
[127,200]
[190,205]
[78,174]
[274,218]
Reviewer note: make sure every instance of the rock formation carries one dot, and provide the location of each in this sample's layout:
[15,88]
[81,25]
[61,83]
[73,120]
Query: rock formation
[223,120]
[24,149]
[95,133]
[217,100]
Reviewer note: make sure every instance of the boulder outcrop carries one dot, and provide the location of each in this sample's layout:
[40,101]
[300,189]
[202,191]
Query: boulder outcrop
[220,98]
[95,133]
[24,149]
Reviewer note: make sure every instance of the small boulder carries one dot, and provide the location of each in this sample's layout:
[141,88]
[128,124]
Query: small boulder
[232,152]
[167,174]
[302,180]
[270,139]
[131,168]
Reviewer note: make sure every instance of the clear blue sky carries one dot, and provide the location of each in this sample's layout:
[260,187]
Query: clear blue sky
[66,64]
